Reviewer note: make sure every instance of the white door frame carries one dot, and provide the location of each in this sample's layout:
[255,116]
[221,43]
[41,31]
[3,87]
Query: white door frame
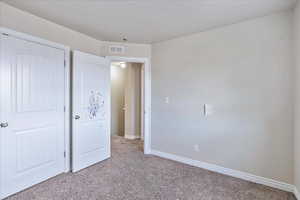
[24,36]
[147,95]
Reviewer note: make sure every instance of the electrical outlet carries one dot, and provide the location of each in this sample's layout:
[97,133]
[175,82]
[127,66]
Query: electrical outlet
[167,100]
[196,148]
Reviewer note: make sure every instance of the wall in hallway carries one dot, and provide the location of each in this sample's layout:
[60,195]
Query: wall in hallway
[133,101]
[297,96]
[118,76]
[126,93]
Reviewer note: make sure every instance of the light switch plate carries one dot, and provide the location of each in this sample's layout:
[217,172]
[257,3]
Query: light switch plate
[208,109]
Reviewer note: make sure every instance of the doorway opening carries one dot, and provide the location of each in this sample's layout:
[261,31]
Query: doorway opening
[127,101]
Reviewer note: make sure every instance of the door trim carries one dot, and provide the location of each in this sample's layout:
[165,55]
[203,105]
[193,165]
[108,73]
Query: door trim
[147,95]
[66,49]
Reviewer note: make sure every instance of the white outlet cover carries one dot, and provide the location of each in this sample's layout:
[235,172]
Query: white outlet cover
[167,100]
[196,147]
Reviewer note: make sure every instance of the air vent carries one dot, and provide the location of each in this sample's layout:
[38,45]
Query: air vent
[116,49]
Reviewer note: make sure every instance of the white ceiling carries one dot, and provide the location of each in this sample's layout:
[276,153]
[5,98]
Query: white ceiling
[147,21]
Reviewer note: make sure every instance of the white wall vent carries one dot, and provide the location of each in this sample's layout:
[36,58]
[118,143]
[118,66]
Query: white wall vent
[116,49]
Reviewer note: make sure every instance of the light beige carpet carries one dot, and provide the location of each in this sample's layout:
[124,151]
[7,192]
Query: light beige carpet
[130,175]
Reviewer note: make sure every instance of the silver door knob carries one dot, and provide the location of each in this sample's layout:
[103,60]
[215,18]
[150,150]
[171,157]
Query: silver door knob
[77,117]
[4,125]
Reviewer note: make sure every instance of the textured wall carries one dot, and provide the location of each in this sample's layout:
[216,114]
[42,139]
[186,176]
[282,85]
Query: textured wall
[245,72]
[297,95]
[118,76]
[133,101]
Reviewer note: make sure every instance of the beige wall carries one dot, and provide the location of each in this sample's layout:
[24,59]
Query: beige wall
[245,72]
[297,95]
[118,76]
[133,101]
[21,21]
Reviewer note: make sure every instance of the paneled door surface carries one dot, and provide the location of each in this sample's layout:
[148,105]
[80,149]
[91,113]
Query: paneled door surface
[91,110]
[32,113]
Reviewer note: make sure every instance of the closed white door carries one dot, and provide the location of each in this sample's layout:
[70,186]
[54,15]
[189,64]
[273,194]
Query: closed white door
[91,110]
[32,113]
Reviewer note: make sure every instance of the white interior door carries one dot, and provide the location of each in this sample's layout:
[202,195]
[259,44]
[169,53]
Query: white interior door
[32,113]
[91,110]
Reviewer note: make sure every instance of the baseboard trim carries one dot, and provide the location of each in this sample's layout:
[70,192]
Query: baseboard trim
[230,172]
[131,137]
[296,193]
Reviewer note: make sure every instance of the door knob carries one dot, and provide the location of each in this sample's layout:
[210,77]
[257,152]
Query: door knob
[77,117]
[4,125]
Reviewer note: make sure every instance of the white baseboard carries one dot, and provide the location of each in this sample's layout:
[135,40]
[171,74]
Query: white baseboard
[230,172]
[132,137]
[296,193]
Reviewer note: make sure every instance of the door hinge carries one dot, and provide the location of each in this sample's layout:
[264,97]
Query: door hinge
[64,108]
[64,63]
[65,154]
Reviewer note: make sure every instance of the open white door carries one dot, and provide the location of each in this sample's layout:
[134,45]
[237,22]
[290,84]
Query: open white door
[91,110]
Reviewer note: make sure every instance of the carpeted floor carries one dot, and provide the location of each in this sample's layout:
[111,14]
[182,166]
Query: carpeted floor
[130,175]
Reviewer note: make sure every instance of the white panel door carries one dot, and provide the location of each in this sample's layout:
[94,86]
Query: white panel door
[91,110]
[32,113]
